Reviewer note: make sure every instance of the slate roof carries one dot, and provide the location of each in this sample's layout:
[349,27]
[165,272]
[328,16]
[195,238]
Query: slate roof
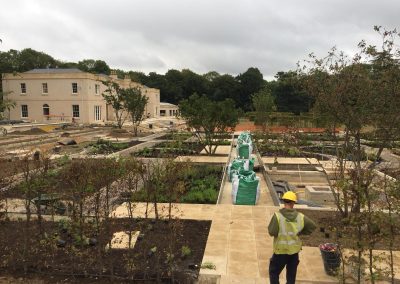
[54,70]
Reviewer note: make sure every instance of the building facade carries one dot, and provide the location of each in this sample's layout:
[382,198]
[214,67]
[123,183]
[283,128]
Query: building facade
[168,110]
[53,95]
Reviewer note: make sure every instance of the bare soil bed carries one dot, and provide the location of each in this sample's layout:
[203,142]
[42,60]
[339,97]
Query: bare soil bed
[124,133]
[156,254]
[327,222]
[33,131]
[175,136]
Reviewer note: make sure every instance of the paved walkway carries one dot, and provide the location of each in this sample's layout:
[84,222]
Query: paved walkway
[238,243]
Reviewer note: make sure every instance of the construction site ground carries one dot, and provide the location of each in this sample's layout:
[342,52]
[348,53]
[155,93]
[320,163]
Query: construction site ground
[238,243]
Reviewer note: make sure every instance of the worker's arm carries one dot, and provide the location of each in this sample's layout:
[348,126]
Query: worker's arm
[273,227]
[309,226]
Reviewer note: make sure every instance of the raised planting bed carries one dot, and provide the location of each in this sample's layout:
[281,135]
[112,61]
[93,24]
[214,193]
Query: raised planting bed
[32,131]
[280,151]
[292,167]
[393,172]
[164,251]
[107,147]
[201,185]
[175,136]
[64,177]
[72,149]
[318,137]
[125,133]
[173,149]
[332,228]
[329,150]
[170,149]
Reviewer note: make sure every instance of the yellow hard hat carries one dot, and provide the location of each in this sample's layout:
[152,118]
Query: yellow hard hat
[290,195]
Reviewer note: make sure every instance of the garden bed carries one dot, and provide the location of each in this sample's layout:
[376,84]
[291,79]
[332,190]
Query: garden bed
[170,150]
[175,136]
[201,186]
[105,147]
[327,222]
[163,250]
[292,167]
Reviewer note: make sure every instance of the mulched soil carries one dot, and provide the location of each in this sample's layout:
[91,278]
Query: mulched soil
[157,253]
[395,173]
[248,125]
[118,133]
[166,150]
[170,136]
[33,131]
[293,167]
[327,222]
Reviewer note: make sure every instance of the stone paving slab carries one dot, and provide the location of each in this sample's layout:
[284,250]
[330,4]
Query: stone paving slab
[203,159]
[221,150]
[242,247]
[283,160]
[238,243]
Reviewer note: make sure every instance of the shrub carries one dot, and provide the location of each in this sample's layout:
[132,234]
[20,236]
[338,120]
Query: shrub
[208,265]
[185,251]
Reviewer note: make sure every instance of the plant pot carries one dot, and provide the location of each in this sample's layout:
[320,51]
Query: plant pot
[331,259]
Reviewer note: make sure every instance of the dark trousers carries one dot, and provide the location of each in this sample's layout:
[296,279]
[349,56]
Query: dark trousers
[278,262]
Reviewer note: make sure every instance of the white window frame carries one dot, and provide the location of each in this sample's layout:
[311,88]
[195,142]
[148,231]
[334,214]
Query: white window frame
[23,111]
[97,113]
[45,88]
[23,88]
[74,86]
[76,110]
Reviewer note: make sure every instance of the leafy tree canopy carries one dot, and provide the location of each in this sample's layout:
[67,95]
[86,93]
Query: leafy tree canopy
[209,118]
[94,66]
[135,104]
[264,104]
[289,95]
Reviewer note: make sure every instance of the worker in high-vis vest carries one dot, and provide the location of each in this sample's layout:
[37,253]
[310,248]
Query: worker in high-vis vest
[286,226]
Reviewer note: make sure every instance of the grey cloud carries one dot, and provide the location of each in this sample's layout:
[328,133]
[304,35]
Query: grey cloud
[227,36]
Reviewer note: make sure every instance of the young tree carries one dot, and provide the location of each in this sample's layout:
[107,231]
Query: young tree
[78,177]
[385,62]
[355,93]
[132,180]
[135,105]
[264,104]
[209,119]
[341,87]
[114,97]
[5,104]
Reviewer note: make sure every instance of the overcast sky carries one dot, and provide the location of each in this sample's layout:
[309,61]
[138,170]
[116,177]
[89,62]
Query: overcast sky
[226,36]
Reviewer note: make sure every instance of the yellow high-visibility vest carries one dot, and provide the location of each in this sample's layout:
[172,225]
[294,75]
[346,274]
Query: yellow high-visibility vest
[287,241]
